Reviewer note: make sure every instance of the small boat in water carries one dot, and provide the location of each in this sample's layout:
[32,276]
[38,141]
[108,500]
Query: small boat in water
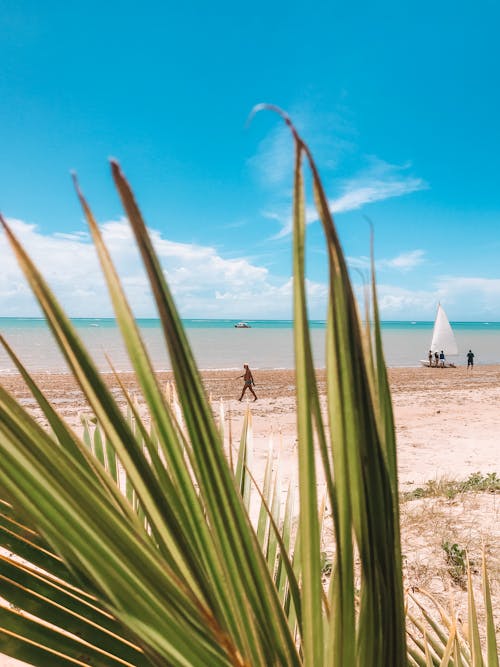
[242,325]
[443,339]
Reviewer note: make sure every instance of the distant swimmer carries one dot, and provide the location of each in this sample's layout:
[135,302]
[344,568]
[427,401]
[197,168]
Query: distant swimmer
[470,359]
[248,378]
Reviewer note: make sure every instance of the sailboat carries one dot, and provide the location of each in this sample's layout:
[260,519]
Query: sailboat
[443,338]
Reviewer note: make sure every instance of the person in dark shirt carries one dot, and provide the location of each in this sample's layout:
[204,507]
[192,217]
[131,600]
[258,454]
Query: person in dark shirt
[441,359]
[436,359]
[470,359]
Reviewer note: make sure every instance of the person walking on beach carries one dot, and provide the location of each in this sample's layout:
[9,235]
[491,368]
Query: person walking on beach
[430,358]
[436,359]
[441,358]
[470,360]
[248,378]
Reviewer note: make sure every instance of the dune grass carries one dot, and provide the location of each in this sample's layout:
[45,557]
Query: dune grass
[476,482]
[133,545]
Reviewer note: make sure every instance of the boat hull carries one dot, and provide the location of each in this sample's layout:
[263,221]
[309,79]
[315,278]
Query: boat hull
[446,364]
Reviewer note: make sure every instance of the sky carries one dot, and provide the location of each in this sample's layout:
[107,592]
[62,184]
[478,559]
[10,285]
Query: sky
[399,103]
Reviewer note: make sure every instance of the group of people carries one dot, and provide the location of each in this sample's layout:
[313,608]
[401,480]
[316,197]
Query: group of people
[439,360]
[436,360]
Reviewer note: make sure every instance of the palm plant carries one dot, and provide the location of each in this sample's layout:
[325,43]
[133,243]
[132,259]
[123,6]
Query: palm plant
[132,545]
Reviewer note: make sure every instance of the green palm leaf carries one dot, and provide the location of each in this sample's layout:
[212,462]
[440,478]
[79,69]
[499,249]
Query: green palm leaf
[132,543]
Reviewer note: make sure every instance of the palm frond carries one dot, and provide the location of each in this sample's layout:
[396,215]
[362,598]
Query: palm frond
[132,543]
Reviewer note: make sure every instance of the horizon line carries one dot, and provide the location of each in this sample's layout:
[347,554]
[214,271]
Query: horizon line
[236,319]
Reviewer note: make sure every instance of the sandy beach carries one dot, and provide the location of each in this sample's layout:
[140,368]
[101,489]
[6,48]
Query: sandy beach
[447,420]
[448,426]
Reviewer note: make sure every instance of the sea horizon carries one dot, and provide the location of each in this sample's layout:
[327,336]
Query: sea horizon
[187,321]
[217,344]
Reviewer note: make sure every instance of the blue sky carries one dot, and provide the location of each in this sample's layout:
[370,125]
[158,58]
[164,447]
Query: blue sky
[399,104]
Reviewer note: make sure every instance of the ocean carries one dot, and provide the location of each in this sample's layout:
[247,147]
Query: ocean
[217,344]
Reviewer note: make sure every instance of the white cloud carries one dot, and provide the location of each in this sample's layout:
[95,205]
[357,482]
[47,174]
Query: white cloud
[331,139]
[400,303]
[464,298]
[378,182]
[329,135]
[273,162]
[356,194]
[471,298]
[405,261]
[204,283]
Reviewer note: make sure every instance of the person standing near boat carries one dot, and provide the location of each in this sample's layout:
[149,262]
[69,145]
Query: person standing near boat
[470,360]
[430,358]
[443,339]
[248,378]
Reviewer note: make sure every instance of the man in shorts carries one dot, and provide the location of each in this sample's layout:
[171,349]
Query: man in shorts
[470,359]
[248,378]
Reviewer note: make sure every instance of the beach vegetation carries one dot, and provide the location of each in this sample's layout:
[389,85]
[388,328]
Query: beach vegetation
[450,488]
[132,544]
[456,559]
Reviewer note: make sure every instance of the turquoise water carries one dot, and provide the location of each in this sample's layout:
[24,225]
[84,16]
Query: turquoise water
[150,323]
[217,344]
[7,323]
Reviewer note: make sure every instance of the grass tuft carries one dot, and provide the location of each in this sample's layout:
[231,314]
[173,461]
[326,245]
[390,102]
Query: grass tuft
[475,483]
[456,558]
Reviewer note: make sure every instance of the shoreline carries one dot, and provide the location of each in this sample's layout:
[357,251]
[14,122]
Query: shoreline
[399,376]
[4,373]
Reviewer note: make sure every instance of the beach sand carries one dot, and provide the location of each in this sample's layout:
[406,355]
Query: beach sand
[447,420]
[448,427]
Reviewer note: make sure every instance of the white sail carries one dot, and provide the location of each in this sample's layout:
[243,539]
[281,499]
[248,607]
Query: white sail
[443,337]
